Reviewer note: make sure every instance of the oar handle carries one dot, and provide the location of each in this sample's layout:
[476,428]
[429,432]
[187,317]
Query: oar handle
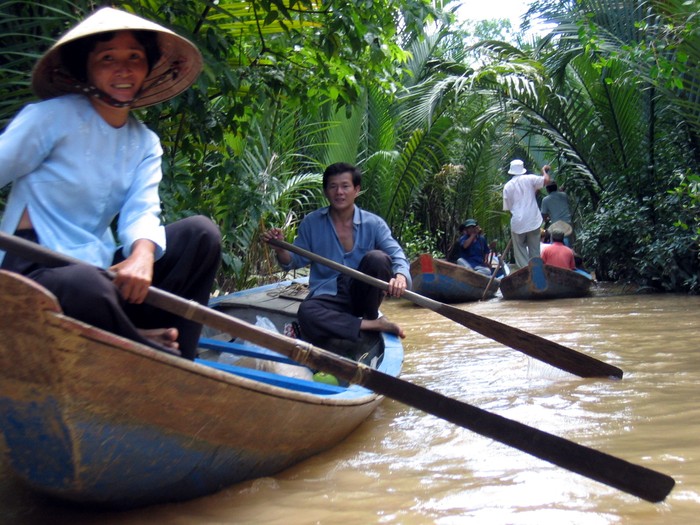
[547,351]
[637,480]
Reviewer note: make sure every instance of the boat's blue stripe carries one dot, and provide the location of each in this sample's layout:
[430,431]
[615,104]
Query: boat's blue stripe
[539,280]
[244,350]
[290,383]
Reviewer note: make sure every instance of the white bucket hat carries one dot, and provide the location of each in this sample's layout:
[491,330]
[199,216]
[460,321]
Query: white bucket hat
[517,167]
[178,67]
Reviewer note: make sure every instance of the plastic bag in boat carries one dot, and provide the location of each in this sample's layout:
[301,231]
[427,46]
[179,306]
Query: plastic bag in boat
[284,369]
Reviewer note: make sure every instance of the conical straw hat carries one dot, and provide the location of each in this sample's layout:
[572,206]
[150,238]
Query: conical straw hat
[178,67]
[562,226]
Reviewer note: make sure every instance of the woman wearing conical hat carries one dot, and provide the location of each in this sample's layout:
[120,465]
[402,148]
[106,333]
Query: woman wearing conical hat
[78,160]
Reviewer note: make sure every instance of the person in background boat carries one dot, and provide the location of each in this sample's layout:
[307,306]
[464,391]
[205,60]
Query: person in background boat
[555,207]
[520,198]
[545,239]
[494,260]
[556,253]
[339,307]
[78,161]
[473,249]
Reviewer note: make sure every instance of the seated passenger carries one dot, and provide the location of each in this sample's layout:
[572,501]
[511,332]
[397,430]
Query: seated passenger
[338,306]
[473,249]
[556,254]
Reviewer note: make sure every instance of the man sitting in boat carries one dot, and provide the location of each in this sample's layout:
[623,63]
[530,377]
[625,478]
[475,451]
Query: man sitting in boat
[473,249]
[79,159]
[338,306]
[556,253]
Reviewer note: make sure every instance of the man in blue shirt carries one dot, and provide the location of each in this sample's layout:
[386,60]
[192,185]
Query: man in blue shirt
[337,305]
[555,208]
[473,249]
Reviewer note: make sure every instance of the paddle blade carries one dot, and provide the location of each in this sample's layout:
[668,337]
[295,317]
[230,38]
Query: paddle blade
[535,346]
[547,351]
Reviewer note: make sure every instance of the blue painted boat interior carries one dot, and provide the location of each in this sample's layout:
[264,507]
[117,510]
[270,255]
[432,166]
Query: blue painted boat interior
[391,364]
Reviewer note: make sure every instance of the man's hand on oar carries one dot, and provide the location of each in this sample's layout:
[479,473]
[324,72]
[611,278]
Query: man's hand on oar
[634,479]
[547,351]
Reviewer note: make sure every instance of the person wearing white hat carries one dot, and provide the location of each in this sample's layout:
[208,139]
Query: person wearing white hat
[78,161]
[520,198]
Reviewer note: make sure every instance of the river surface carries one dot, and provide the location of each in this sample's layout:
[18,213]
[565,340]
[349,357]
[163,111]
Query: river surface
[403,466]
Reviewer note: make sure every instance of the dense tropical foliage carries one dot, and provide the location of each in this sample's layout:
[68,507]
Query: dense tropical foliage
[431,110]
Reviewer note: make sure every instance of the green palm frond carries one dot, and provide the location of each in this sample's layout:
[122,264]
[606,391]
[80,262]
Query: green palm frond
[27,29]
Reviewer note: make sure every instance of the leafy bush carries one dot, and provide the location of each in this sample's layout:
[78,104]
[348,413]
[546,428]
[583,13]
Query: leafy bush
[647,242]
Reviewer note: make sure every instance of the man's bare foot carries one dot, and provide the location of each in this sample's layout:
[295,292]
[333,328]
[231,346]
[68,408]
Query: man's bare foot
[382,325]
[166,337]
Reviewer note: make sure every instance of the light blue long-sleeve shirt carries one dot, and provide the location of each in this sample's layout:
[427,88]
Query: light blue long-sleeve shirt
[317,234]
[75,173]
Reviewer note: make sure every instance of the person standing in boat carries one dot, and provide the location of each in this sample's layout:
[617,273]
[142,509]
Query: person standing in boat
[555,207]
[78,161]
[338,306]
[520,198]
[473,249]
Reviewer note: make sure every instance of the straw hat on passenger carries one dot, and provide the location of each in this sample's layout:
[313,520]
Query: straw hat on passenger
[178,67]
[561,226]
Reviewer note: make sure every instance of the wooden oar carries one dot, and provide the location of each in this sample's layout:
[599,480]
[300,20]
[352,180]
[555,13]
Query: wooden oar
[498,268]
[618,473]
[547,351]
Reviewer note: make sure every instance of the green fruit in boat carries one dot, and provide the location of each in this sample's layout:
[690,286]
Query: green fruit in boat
[324,377]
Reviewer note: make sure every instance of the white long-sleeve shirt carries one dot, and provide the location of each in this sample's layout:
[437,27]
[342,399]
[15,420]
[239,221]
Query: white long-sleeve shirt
[519,197]
[75,173]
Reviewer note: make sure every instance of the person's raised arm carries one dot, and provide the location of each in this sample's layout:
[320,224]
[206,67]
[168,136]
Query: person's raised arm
[545,172]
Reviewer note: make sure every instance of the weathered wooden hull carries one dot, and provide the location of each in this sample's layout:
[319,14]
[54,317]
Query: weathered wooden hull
[447,282]
[92,417]
[542,281]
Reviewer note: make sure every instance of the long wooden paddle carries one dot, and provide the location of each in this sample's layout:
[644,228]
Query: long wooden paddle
[548,351]
[634,479]
[498,268]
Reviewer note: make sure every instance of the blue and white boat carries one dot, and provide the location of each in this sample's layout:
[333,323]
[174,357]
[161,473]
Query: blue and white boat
[91,417]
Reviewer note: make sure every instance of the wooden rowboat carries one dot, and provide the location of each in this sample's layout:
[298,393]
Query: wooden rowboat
[447,282]
[542,281]
[91,417]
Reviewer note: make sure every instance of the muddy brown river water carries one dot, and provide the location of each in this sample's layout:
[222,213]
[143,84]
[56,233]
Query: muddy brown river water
[403,466]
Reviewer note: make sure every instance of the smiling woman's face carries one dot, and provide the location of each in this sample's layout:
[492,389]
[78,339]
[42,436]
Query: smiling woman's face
[118,67]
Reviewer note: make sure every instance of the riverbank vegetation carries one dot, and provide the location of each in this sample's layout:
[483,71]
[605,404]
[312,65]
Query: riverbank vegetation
[432,110]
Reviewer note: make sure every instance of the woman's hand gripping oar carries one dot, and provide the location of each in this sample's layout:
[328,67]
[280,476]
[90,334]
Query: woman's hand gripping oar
[634,479]
[547,351]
